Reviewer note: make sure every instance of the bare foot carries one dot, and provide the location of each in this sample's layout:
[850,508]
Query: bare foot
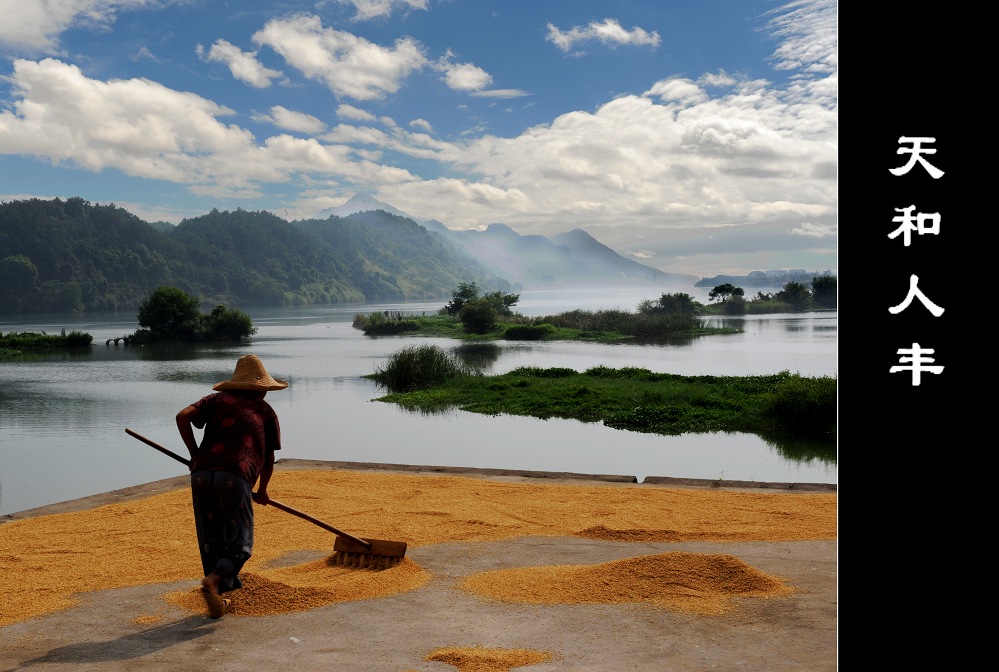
[210,591]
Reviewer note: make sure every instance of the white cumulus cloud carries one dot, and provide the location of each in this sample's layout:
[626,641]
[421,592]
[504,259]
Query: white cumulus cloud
[462,76]
[678,90]
[243,65]
[608,32]
[373,9]
[145,129]
[291,120]
[350,66]
[357,114]
[422,124]
[34,26]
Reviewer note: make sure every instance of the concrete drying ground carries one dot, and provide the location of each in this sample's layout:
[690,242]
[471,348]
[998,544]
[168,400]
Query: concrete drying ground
[396,633]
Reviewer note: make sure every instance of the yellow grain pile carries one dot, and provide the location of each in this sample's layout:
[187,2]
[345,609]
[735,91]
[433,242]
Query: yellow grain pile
[307,586]
[46,562]
[481,659]
[689,582]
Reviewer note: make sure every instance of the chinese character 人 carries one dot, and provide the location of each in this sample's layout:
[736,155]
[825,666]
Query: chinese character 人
[916,293]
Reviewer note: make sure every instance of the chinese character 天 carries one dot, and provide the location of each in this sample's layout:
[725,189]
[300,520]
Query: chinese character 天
[916,153]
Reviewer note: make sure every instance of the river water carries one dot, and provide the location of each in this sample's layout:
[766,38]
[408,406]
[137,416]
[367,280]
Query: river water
[63,415]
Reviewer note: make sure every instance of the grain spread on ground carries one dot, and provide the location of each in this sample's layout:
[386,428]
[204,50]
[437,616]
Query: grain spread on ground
[482,659]
[699,583]
[48,562]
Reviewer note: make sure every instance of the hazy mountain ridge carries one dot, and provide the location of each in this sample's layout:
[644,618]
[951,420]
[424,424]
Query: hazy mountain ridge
[72,255]
[393,258]
[773,279]
[571,258]
[75,256]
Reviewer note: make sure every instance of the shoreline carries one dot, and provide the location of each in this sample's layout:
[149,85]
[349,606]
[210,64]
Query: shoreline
[515,475]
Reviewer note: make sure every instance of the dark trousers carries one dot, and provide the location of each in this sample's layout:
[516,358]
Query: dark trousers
[223,517]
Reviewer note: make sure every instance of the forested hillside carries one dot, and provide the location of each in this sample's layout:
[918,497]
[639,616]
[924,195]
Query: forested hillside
[391,257]
[71,255]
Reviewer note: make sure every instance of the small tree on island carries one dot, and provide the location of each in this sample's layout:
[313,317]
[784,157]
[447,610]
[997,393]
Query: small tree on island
[467,292]
[169,313]
[227,324]
[478,316]
[725,292]
[824,291]
[502,303]
[796,295]
[668,304]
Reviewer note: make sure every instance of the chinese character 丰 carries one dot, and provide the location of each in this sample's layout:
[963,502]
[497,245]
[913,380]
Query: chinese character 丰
[917,362]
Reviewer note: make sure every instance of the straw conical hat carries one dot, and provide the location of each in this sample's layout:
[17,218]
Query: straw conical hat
[250,375]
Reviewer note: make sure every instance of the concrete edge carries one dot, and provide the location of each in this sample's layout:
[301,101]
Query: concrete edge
[722,483]
[292,463]
[111,497]
[168,484]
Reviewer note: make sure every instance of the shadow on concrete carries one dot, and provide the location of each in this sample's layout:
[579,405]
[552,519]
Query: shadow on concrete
[131,646]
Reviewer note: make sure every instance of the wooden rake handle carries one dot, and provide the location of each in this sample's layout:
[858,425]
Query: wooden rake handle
[316,521]
[272,502]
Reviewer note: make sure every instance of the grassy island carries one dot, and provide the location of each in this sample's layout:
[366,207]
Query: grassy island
[601,326]
[12,343]
[429,379]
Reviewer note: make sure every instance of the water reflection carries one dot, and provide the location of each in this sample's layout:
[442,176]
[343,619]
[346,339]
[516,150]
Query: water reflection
[801,450]
[184,352]
[794,449]
[478,356]
[446,412]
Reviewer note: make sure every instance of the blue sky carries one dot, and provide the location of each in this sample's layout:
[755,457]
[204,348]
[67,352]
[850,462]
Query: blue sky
[697,137]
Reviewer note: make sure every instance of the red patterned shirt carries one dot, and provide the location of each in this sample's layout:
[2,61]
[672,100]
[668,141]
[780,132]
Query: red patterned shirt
[239,430]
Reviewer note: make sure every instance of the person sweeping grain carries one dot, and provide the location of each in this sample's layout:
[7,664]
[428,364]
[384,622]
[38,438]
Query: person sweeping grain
[241,434]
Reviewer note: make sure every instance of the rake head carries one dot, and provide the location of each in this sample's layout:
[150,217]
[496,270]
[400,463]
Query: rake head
[373,554]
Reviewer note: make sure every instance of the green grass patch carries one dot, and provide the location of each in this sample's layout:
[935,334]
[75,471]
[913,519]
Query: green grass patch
[390,323]
[530,332]
[643,401]
[13,342]
[601,326]
[418,367]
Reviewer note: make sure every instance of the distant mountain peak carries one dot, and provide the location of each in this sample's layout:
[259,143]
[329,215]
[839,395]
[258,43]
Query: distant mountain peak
[564,259]
[362,202]
[576,234]
[501,229]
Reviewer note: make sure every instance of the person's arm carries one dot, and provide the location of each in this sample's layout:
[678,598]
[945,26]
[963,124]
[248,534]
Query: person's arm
[260,496]
[188,416]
